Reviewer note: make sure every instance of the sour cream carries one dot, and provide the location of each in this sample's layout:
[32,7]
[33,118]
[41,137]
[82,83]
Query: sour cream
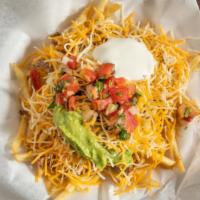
[193,87]
[132,59]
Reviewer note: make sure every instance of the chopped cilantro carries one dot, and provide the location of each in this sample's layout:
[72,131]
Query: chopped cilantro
[119,94]
[138,94]
[122,116]
[62,71]
[110,83]
[135,98]
[187,112]
[59,87]
[52,105]
[102,79]
[99,85]
[124,135]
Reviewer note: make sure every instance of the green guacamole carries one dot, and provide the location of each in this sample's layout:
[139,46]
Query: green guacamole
[83,140]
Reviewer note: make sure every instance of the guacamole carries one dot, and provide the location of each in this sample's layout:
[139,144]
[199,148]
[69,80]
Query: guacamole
[83,140]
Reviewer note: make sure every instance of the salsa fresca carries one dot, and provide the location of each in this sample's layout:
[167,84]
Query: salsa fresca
[114,98]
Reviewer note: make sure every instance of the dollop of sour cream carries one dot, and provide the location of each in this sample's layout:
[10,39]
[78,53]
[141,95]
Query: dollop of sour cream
[132,59]
[193,87]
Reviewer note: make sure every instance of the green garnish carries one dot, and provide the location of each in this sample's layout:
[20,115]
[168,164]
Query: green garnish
[62,71]
[59,86]
[187,112]
[84,141]
[110,83]
[136,98]
[124,135]
[81,138]
[52,105]
[99,85]
[119,94]
[123,158]
[122,116]
[102,79]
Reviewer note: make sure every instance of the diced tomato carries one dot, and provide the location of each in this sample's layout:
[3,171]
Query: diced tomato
[71,89]
[130,122]
[73,57]
[186,113]
[105,70]
[111,108]
[188,119]
[91,92]
[36,79]
[109,82]
[127,105]
[105,93]
[89,75]
[59,99]
[68,78]
[113,118]
[72,64]
[115,82]
[119,94]
[72,103]
[120,81]
[132,90]
[101,104]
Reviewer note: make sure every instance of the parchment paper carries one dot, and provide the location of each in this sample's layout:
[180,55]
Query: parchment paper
[24,23]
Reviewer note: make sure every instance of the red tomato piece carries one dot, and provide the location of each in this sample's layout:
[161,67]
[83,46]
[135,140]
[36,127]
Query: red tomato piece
[130,122]
[120,82]
[36,79]
[72,64]
[132,90]
[188,119]
[113,118]
[60,99]
[101,104]
[105,70]
[71,89]
[91,92]
[110,82]
[111,109]
[119,94]
[66,77]
[126,105]
[115,82]
[105,93]
[72,103]
[89,75]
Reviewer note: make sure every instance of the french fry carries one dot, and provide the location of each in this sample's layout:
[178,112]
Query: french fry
[167,162]
[178,158]
[88,12]
[195,63]
[22,79]
[21,157]
[111,8]
[101,5]
[16,145]
[84,14]
[20,134]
